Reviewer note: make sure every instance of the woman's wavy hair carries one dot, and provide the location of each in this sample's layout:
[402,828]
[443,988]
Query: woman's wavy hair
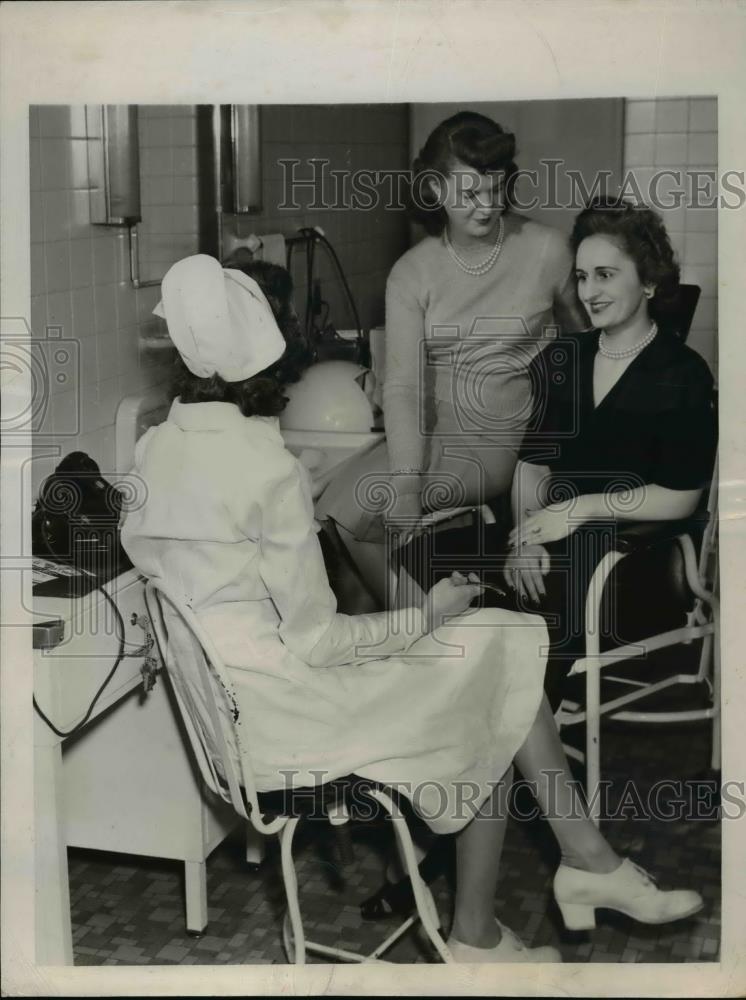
[467,137]
[262,395]
[641,234]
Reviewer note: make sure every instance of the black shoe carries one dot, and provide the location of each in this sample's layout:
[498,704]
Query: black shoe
[397,898]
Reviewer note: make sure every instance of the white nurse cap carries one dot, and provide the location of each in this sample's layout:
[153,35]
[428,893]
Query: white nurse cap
[219,320]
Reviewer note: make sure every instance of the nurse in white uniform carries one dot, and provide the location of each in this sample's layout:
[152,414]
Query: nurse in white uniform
[438,710]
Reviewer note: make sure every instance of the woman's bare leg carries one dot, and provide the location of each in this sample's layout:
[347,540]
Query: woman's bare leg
[542,762]
[478,849]
[371,562]
[408,594]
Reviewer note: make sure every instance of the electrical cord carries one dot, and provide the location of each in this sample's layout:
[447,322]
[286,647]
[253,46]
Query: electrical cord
[310,254]
[107,679]
[312,236]
[342,277]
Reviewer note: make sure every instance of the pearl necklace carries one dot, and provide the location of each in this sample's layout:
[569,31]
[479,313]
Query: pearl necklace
[630,351]
[488,263]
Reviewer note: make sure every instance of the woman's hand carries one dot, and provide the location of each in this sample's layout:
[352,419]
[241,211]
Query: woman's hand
[450,596]
[404,516]
[548,524]
[524,571]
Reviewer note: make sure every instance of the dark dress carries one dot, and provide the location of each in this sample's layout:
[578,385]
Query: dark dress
[656,425]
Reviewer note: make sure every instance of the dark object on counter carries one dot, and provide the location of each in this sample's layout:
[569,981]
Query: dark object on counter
[76,523]
[49,634]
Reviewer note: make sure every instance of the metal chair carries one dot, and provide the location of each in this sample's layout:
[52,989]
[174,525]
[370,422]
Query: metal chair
[700,571]
[212,719]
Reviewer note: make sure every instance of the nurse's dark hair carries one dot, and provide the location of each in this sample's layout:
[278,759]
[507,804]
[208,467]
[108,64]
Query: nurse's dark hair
[263,394]
[641,234]
[467,137]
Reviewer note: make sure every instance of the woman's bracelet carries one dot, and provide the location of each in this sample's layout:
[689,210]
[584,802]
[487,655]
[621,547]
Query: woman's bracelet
[406,472]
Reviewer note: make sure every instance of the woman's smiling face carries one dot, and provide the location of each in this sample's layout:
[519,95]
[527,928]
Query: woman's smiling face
[608,283]
[472,201]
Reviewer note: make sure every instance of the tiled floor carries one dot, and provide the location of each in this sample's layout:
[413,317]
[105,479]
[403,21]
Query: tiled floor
[128,910]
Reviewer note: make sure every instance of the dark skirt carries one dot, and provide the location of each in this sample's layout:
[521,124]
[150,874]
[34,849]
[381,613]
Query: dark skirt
[637,601]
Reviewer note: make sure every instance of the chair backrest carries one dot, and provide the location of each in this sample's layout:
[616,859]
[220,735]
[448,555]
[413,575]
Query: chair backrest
[207,703]
[708,568]
[684,309]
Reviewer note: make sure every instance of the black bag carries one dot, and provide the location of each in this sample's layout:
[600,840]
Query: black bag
[76,519]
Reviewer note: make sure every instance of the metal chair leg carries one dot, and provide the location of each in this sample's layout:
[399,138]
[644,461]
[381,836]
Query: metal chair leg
[593,680]
[291,890]
[423,898]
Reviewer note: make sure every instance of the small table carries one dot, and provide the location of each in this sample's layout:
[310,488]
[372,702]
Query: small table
[126,782]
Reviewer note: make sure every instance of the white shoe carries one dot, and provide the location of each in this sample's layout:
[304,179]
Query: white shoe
[628,889]
[510,949]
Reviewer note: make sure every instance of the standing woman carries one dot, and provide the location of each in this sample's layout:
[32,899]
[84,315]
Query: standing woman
[465,312]
[624,430]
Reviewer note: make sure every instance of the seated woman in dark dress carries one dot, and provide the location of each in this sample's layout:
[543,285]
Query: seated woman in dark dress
[624,429]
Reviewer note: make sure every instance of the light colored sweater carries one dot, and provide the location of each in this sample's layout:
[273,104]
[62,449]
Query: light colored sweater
[449,332]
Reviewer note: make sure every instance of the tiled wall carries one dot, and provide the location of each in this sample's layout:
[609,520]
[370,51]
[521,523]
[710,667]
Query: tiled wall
[168,187]
[368,242]
[681,134]
[80,279]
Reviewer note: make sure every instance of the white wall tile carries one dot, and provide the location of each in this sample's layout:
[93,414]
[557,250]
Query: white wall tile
[35,165]
[128,350]
[670,148]
[122,257]
[701,248]
[109,399]
[84,315]
[639,150]
[703,114]
[702,275]
[184,132]
[126,305]
[105,304]
[79,176]
[703,148]
[61,120]
[89,407]
[81,263]
[640,116]
[702,220]
[185,191]
[672,115]
[88,360]
[674,218]
[159,161]
[185,162]
[38,315]
[683,137]
[108,361]
[56,208]
[33,120]
[66,412]
[80,216]
[104,262]
[56,172]
[156,132]
[38,269]
[59,312]
[57,260]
